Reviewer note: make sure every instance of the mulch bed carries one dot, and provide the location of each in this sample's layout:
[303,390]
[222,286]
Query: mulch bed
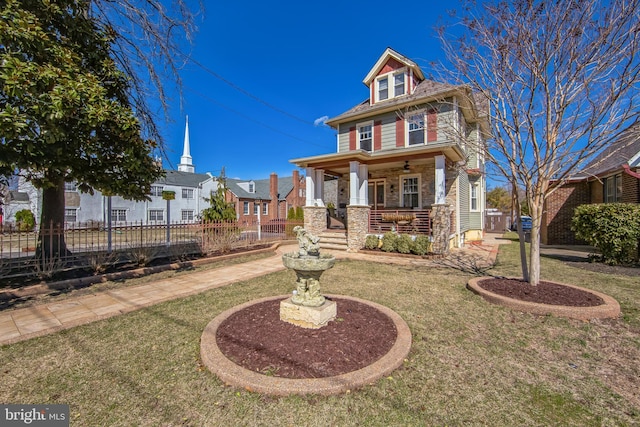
[256,339]
[545,292]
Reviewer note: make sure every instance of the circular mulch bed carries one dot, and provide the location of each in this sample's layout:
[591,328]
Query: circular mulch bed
[543,293]
[547,298]
[250,347]
[256,339]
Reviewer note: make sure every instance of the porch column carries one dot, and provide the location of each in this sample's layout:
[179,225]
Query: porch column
[319,193]
[310,186]
[358,184]
[440,183]
[358,209]
[440,211]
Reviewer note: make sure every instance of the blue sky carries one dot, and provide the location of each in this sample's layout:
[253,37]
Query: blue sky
[286,64]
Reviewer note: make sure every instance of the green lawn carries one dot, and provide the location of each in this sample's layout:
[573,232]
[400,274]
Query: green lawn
[471,363]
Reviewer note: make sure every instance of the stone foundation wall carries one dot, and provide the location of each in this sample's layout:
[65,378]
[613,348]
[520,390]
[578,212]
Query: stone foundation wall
[441,228]
[315,219]
[358,227]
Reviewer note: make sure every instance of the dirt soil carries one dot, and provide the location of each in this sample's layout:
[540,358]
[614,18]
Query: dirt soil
[544,292]
[256,339]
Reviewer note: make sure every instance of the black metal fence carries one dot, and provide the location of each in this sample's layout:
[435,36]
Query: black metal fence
[94,247]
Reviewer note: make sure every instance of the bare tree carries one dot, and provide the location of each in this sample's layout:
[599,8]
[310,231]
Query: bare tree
[151,43]
[561,80]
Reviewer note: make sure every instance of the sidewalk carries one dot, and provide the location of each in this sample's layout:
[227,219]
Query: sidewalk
[24,323]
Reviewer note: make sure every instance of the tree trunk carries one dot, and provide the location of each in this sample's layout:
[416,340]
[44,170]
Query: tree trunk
[51,243]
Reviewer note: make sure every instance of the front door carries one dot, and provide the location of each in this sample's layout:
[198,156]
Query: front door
[376,194]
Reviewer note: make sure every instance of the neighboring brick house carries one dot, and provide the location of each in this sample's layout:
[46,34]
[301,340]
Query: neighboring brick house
[268,198]
[613,176]
[411,147]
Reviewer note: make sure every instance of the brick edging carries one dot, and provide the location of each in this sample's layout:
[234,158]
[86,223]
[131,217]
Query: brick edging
[610,308]
[235,375]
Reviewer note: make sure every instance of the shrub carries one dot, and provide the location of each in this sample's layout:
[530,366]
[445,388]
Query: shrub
[299,213]
[25,220]
[421,245]
[371,242]
[613,228]
[404,243]
[389,242]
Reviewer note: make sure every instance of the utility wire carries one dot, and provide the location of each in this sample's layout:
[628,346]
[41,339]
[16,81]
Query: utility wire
[226,107]
[247,93]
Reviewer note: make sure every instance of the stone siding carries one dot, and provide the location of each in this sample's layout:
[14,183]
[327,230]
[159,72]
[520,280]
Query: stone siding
[441,228]
[315,219]
[358,227]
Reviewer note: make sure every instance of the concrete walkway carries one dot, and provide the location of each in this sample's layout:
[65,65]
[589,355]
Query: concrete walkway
[24,323]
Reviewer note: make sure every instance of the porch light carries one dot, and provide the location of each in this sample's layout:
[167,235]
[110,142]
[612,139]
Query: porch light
[406,167]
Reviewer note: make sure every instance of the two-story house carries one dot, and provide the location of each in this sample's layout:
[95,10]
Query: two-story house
[265,199]
[409,159]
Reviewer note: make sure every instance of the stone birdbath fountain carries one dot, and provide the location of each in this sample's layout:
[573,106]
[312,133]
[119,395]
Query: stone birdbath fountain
[307,307]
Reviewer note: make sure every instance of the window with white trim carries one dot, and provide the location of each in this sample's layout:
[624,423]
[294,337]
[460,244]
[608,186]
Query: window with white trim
[245,208]
[265,209]
[187,215]
[474,191]
[256,208]
[156,190]
[398,84]
[156,215]
[365,136]
[383,88]
[410,186]
[391,85]
[119,215]
[187,193]
[70,215]
[416,128]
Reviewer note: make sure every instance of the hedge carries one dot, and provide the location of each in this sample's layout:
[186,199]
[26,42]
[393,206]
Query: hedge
[613,228]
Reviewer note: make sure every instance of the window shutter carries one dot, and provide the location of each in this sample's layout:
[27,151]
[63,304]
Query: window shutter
[432,125]
[352,138]
[399,132]
[377,135]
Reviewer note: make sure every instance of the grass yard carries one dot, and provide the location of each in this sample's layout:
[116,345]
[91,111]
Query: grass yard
[471,363]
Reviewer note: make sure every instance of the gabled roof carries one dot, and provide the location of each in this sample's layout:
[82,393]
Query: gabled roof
[384,58]
[425,91]
[262,188]
[183,179]
[624,151]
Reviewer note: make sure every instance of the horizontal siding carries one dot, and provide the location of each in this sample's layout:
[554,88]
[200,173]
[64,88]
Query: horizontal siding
[464,201]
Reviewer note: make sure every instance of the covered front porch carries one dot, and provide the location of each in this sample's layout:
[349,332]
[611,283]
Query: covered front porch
[409,191]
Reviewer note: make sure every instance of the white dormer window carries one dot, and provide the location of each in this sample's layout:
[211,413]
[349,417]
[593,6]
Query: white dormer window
[383,88]
[391,85]
[252,187]
[398,84]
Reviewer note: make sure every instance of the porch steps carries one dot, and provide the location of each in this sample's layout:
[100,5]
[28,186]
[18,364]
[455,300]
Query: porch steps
[333,240]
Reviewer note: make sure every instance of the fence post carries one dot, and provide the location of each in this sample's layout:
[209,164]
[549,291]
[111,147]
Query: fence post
[108,224]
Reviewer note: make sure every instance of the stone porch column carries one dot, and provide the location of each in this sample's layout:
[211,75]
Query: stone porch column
[315,219]
[441,216]
[358,227]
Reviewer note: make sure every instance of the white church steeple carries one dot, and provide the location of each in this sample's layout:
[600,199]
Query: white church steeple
[186,164]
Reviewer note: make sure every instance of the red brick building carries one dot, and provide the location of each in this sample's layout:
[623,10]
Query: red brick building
[269,198]
[612,177]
